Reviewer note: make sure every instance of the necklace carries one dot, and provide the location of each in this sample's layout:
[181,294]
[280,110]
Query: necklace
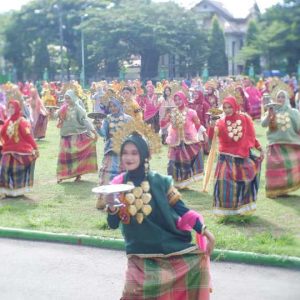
[235,129]
[283,121]
[137,201]
[178,117]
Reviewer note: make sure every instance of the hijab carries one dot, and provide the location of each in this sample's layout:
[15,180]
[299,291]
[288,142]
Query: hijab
[137,175]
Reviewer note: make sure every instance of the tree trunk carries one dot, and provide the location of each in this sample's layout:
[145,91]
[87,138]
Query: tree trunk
[149,64]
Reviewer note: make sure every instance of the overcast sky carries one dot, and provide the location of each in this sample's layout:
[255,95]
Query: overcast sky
[239,10]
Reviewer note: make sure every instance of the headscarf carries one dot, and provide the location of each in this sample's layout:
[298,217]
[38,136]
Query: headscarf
[137,175]
[72,95]
[18,112]
[118,104]
[64,108]
[286,105]
[17,115]
[183,97]
[233,103]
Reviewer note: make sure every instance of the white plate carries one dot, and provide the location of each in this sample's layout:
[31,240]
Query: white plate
[112,188]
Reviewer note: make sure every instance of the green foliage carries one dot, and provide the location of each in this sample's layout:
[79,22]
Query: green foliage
[112,34]
[217,60]
[276,38]
[149,31]
[254,58]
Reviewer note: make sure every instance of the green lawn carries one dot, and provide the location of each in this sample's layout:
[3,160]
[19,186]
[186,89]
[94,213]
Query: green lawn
[69,207]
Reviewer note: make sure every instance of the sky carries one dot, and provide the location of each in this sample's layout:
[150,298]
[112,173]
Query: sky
[235,9]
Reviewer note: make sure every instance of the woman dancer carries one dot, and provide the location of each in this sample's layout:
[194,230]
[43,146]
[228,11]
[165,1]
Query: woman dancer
[283,151]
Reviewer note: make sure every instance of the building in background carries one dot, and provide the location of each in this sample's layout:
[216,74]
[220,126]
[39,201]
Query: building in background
[235,29]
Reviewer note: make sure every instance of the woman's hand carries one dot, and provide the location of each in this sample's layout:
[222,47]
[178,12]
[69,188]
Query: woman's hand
[36,153]
[210,242]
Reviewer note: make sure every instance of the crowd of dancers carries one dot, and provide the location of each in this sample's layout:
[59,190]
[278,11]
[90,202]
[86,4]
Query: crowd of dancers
[192,118]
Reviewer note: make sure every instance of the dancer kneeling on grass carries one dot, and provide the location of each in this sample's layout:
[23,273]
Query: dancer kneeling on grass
[283,151]
[77,155]
[237,172]
[163,263]
[18,154]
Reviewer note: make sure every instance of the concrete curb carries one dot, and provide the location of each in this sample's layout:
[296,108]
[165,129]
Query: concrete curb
[118,244]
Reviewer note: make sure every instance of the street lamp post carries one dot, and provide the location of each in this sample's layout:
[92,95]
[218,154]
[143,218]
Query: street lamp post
[82,74]
[61,39]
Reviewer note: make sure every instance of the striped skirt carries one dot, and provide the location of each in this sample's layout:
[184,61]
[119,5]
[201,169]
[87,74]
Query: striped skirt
[186,164]
[110,168]
[236,185]
[77,156]
[182,277]
[154,122]
[283,169]
[16,175]
[40,127]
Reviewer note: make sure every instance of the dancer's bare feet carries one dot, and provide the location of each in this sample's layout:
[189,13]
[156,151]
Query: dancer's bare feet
[59,181]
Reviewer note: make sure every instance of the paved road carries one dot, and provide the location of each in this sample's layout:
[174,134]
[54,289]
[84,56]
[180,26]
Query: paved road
[38,271]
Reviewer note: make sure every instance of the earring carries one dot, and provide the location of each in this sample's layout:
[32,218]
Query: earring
[147,166]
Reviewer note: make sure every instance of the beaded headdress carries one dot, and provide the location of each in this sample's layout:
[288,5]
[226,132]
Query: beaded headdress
[110,93]
[231,90]
[280,86]
[141,128]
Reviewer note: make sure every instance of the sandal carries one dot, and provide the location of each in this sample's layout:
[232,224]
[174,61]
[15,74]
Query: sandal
[78,178]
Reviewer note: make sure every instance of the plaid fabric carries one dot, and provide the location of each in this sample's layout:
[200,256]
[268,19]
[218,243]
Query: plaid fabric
[77,156]
[110,168]
[154,122]
[283,169]
[40,127]
[185,162]
[236,185]
[16,175]
[183,277]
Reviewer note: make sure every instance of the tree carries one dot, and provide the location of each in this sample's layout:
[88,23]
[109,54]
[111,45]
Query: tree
[149,31]
[217,60]
[277,38]
[251,36]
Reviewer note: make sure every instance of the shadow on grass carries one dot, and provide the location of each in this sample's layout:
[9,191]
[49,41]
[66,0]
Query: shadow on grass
[196,198]
[82,188]
[291,200]
[17,204]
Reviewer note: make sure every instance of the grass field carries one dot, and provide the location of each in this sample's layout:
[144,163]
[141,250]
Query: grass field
[70,207]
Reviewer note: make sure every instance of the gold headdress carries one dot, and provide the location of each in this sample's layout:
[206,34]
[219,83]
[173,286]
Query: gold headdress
[159,88]
[72,85]
[141,128]
[231,90]
[110,93]
[280,86]
[211,84]
[177,87]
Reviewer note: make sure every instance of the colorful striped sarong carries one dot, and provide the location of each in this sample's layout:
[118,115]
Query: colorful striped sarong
[236,185]
[110,168]
[40,128]
[283,169]
[186,164]
[77,156]
[182,277]
[16,175]
[154,122]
